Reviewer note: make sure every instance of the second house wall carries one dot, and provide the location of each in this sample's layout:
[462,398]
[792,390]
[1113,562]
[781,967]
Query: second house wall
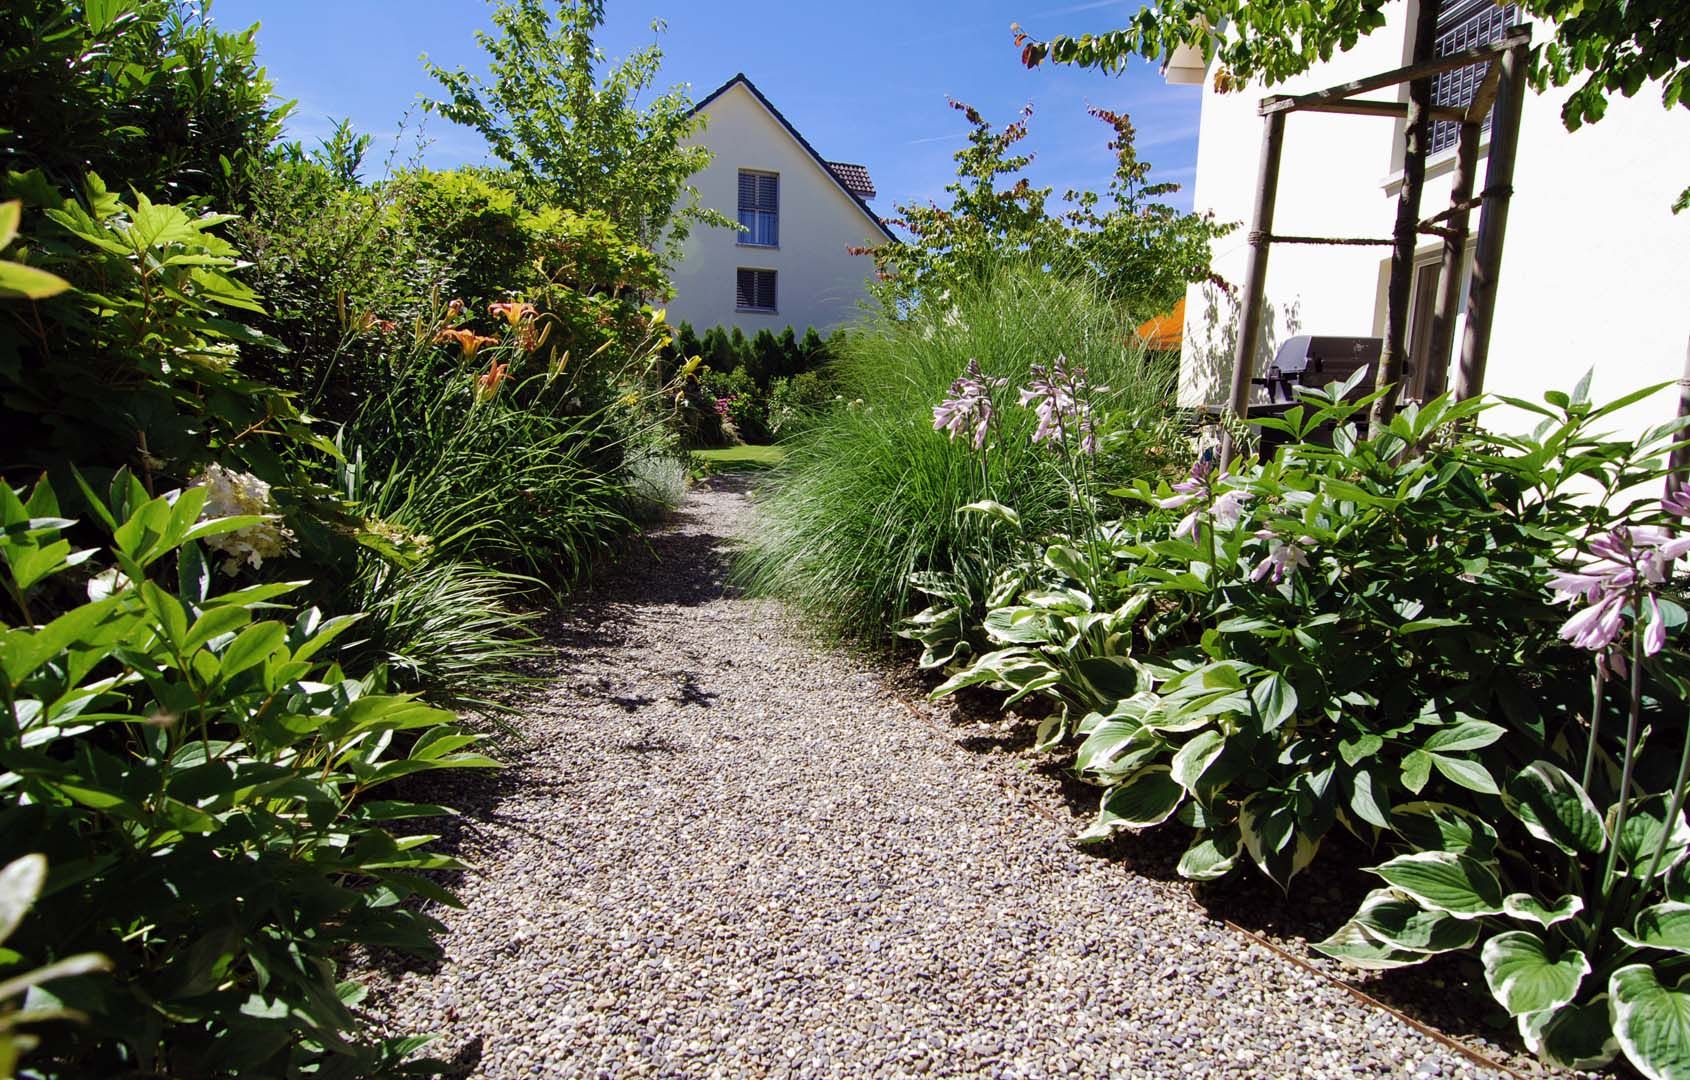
[1595,270]
[819,283]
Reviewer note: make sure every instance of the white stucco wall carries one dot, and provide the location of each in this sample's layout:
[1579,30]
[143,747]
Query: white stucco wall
[819,283]
[1595,269]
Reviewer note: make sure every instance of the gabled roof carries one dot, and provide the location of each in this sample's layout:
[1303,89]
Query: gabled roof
[854,177]
[822,163]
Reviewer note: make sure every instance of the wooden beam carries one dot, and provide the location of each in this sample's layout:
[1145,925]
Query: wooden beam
[1255,279]
[1438,359]
[1493,220]
[1370,107]
[1515,37]
[1484,95]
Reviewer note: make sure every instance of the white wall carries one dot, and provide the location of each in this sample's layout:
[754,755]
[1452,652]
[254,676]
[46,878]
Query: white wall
[1595,269]
[819,283]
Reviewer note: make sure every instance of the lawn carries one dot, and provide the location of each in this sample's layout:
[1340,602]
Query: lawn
[739,458]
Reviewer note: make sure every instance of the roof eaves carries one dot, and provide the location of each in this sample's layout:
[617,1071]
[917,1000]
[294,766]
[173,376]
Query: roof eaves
[821,162]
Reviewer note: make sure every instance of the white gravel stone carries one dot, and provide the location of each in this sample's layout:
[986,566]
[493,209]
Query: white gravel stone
[724,851]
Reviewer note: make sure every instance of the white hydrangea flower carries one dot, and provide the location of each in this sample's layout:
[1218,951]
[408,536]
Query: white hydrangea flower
[237,494]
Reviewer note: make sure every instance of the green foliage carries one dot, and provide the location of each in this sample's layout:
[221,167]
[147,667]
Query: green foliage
[797,402]
[1613,46]
[140,363]
[148,94]
[1142,251]
[577,138]
[869,494]
[1358,634]
[21,881]
[197,773]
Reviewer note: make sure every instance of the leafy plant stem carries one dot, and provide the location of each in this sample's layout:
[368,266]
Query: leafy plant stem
[1632,724]
[1595,723]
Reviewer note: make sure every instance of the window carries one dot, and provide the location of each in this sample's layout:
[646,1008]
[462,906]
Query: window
[759,208]
[1423,302]
[755,290]
[1464,24]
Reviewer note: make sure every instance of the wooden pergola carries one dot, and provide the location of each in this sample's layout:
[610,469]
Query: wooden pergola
[1503,86]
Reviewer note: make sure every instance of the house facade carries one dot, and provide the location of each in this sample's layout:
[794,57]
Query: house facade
[792,264]
[1595,269]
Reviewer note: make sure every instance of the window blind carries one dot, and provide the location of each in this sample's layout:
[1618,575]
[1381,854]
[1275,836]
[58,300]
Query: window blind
[755,290]
[759,208]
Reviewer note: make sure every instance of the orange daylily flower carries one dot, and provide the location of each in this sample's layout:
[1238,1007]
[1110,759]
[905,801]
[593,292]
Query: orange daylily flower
[469,342]
[487,384]
[513,312]
[454,309]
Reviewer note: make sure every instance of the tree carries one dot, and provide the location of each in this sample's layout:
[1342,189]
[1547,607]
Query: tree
[577,138]
[1144,250]
[1608,46]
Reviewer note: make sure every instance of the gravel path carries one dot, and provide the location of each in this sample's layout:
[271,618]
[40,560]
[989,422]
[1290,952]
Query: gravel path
[729,852]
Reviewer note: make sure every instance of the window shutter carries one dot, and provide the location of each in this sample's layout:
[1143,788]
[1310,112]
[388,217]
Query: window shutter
[747,191]
[746,292]
[754,290]
[766,289]
[768,193]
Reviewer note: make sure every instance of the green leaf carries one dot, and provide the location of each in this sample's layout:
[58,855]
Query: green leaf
[1354,946]
[1393,919]
[1354,751]
[1664,926]
[1464,887]
[1526,906]
[1466,772]
[1211,855]
[20,884]
[1573,1036]
[1370,799]
[1275,700]
[1269,823]
[252,646]
[1651,1022]
[1644,827]
[1147,797]
[11,213]
[1195,757]
[996,510]
[20,282]
[1525,978]
[1431,826]
[1555,809]
[1463,735]
[1416,770]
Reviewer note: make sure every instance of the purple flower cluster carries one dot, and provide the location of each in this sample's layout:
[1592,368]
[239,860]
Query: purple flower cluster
[1061,397]
[1225,510]
[1283,559]
[969,406]
[1630,564]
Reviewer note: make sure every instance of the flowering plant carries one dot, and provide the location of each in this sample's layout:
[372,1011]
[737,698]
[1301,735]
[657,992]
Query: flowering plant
[1360,634]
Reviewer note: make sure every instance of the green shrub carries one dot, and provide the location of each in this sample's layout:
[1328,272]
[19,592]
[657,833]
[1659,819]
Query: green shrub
[1359,634]
[198,773]
[869,495]
[797,402]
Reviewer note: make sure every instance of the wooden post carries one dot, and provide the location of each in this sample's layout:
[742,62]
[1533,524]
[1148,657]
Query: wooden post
[1440,351]
[1417,136]
[1679,462]
[1255,277]
[1493,221]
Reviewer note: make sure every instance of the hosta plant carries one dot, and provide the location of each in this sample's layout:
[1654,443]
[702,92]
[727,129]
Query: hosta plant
[210,789]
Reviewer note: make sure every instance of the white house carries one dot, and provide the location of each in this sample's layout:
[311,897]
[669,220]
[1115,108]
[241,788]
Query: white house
[1595,270]
[802,213]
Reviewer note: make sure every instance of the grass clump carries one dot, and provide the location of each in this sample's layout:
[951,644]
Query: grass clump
[869,494]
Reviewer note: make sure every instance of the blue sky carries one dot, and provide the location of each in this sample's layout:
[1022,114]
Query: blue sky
[865,81]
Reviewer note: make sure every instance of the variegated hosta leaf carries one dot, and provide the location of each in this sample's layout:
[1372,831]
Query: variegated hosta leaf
[1664,926]
[1018,625]
[1651,1021]
[1639,838]
[1431,826]
[1212,855]
[1555,808]
[1279,848]
[1195,757]
[1395,920]
[1573,1036]
[1354,946]
[1526,906]
[1526,978]
[1147,797]
[1462,886]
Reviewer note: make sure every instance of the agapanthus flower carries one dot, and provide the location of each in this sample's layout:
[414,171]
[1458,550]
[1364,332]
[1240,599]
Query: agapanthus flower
[237,494]
[1283,558]
[968,409]
[1630,562]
